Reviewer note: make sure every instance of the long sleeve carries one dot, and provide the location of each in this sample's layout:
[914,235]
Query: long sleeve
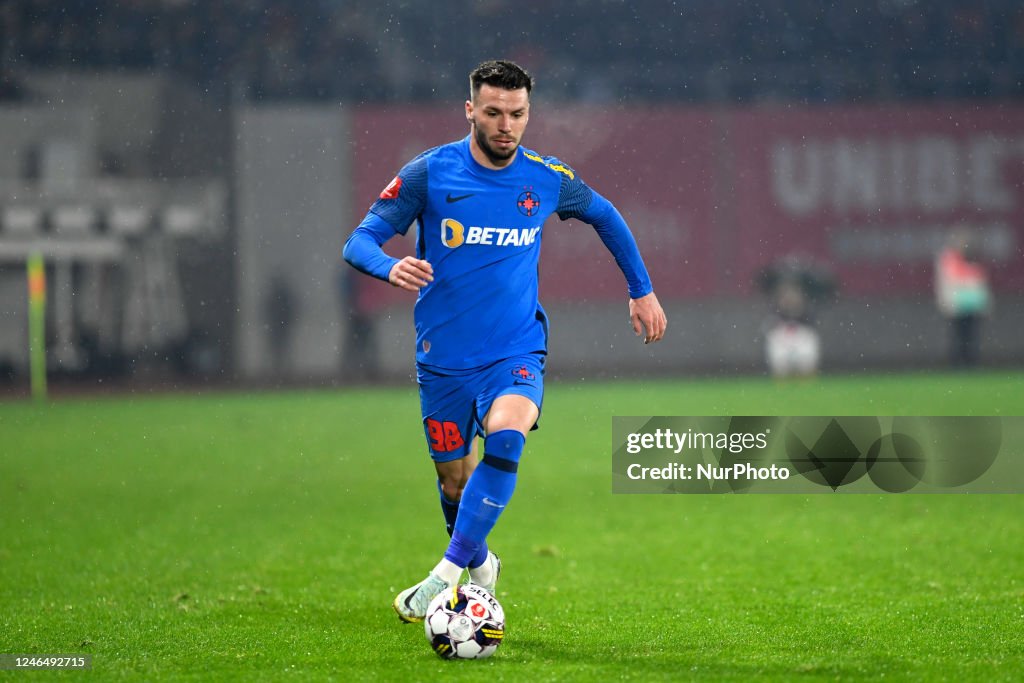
[363,247]
[615,234]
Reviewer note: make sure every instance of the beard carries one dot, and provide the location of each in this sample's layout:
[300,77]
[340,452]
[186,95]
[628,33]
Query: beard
[494,155]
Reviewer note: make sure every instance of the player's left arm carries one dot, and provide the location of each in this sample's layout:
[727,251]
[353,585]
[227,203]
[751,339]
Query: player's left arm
[578,200]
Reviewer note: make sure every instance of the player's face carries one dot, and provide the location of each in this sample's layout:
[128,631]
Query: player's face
[498,117]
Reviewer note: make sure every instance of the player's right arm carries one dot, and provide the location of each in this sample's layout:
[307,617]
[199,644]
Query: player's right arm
[401,202]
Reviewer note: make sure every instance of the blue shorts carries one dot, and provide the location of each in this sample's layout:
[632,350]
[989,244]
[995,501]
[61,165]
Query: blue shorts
[454,404]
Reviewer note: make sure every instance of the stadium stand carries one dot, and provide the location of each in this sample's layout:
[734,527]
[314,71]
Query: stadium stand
[793,50]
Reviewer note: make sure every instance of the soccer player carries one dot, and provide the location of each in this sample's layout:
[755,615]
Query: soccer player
[480,204]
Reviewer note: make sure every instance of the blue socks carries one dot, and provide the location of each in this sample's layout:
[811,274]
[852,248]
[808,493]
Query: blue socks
[450,509]
[486,494]
[451,512]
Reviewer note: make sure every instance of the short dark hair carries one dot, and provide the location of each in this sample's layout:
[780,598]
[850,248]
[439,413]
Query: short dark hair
[499,73]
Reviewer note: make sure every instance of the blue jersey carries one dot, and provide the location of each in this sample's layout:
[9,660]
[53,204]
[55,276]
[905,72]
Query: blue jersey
[481,231]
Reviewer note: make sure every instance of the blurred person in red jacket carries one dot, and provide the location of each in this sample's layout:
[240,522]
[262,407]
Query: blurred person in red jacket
[962,294]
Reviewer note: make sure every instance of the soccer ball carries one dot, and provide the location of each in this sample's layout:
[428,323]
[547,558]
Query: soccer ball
[464,622]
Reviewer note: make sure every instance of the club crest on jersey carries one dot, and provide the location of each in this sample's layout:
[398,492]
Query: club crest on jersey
[523,373]
[454,234]
[528,203]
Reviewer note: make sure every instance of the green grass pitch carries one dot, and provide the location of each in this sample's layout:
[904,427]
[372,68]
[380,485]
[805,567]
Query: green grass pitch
[262,537]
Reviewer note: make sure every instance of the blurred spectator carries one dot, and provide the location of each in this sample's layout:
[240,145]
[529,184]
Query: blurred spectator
[359,347]
[962,294]
[796,286]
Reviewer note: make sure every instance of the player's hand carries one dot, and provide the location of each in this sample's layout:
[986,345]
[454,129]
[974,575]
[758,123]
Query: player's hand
[411,274]
[647,318]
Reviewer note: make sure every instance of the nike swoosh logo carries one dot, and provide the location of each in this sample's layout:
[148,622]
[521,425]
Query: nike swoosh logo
[451,200]
[411,596]
[488,501]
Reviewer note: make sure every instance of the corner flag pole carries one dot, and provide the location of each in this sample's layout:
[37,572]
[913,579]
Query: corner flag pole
[37,324]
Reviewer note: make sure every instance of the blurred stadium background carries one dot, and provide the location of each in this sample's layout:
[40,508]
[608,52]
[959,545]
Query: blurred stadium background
[189,171]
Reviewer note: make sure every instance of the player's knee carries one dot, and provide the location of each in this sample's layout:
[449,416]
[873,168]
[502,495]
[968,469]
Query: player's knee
[452,487]
[513,412]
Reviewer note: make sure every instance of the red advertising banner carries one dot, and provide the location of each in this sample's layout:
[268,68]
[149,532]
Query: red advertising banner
[876,192]
[714,197]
